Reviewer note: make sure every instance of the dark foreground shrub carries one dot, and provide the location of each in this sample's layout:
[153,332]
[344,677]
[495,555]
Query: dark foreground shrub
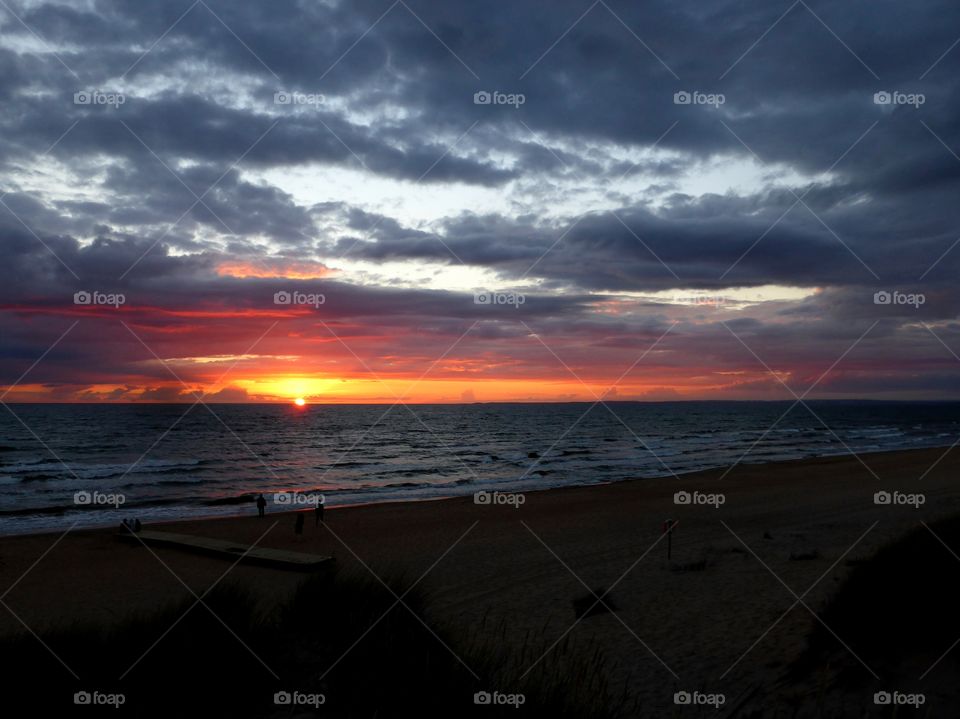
[340,647]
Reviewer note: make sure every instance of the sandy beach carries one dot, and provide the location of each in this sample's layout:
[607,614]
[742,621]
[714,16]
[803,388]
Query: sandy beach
[701,621]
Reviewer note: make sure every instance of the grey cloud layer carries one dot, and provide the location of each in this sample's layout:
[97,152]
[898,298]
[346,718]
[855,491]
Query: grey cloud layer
[799,98]
[398,98]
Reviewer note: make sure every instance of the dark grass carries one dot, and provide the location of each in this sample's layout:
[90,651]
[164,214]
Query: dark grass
[898,611]
[898,607]
[345,638]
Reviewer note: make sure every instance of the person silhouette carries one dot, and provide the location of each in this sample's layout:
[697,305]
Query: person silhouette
[318,512]
[261,506]
[298,526]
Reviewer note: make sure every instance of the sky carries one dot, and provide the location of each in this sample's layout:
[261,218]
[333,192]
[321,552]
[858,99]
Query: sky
[476,202]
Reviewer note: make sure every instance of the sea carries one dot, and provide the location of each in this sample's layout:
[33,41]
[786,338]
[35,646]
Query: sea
[82,465]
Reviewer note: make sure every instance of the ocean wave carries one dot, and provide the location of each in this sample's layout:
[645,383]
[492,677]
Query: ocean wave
[46,470]
[402,461]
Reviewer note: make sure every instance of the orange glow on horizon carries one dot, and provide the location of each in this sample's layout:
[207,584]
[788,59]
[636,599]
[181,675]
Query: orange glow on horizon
[303,391]
[291,270]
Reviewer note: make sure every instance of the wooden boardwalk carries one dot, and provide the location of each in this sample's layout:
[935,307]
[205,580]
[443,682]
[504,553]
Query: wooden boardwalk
[277,558]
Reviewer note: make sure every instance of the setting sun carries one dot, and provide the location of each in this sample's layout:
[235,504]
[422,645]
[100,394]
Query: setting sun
[299,401]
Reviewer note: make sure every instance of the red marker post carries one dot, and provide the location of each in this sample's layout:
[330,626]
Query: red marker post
[668,526]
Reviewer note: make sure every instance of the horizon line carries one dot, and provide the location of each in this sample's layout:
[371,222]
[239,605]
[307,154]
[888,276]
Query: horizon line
[309,403]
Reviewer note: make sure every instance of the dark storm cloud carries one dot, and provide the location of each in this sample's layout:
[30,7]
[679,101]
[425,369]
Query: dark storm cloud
[799,97]
[709,242]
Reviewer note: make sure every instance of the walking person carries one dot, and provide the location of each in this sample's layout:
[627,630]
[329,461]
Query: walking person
[318,511]
[261,506]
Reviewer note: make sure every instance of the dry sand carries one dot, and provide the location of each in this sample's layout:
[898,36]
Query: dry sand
[706,629]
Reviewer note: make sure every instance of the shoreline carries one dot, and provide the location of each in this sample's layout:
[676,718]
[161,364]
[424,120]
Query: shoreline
[453,497]
[796,526]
